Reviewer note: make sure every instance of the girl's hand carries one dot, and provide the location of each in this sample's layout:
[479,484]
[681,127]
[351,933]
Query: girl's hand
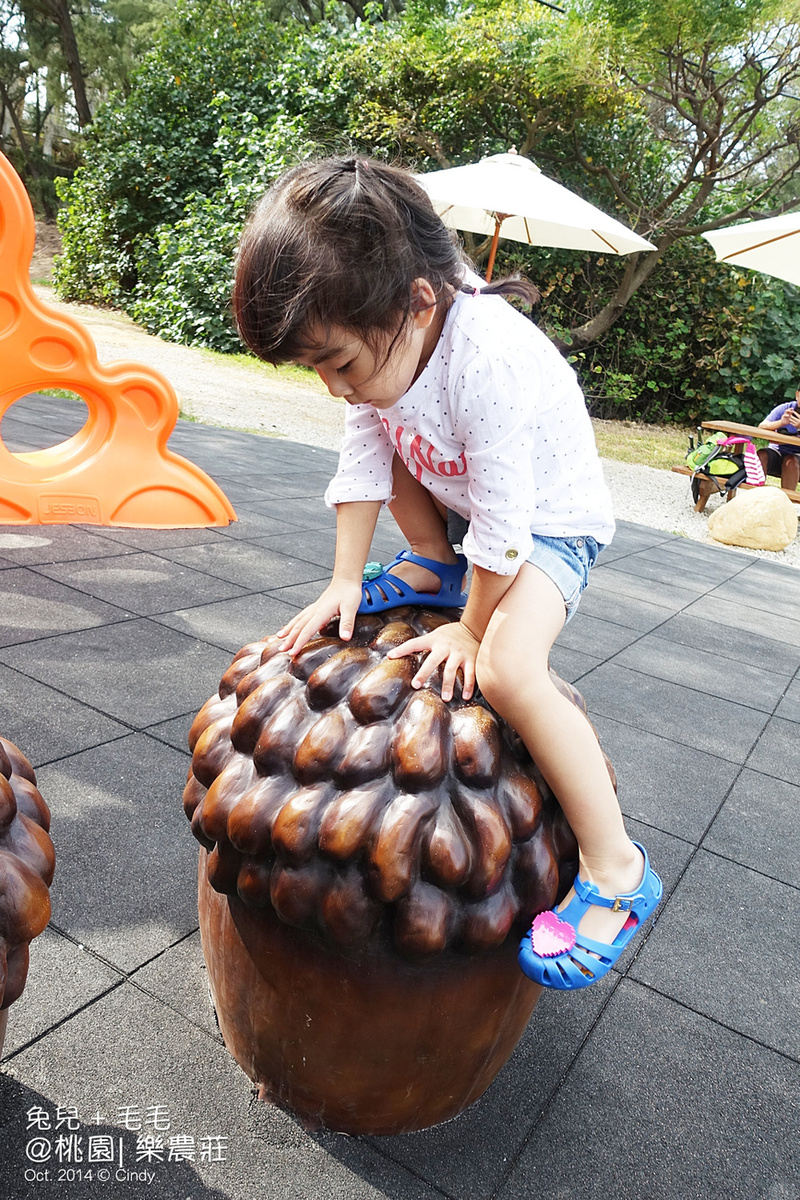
[341,599]
[452,645]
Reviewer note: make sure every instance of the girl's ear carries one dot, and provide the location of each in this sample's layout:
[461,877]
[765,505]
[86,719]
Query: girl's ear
[423,303]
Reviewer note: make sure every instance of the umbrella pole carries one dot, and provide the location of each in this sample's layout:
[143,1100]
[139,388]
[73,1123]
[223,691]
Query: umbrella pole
[499,218]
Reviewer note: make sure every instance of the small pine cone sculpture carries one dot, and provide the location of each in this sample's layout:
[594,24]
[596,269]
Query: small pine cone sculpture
[27,862]
[357,807]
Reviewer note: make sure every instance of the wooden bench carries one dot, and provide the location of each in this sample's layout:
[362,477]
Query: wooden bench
[706,488]
[706,484]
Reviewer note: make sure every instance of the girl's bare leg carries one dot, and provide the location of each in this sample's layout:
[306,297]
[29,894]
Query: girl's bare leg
[512,672]
[423,523]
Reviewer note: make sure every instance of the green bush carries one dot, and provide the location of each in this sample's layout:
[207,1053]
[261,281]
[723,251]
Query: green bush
[185,276]
[699,340]
[228,98]
[754,366]
[147,154]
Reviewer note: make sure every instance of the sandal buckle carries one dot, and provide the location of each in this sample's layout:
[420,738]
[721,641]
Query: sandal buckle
[622,904]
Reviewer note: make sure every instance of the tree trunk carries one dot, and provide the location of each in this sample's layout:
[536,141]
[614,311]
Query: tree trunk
[58,12]
[638,269]
[35,179]
[21,138]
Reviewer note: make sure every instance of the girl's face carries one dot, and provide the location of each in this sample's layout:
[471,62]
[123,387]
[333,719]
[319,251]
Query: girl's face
[351,370]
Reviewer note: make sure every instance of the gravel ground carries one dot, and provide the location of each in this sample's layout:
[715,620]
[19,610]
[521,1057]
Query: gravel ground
[212,389]
[662,500]
[239,396]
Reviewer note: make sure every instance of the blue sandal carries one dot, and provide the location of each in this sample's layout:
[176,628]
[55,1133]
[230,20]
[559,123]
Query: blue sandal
[555,955]
[381,590]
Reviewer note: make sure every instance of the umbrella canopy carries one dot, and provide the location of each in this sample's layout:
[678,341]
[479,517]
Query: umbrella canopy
[508,195]
[771,246]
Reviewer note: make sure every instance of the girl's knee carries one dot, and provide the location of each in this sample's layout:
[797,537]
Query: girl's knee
[486,676]
[504,681]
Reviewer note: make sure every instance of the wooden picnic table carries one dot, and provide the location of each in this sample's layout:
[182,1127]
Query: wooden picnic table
[705,486]
[751,431]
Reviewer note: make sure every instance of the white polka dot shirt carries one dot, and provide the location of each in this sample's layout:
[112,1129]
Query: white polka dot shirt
[496,428]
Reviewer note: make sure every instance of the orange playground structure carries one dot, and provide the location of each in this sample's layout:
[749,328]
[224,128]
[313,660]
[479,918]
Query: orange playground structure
[117,469]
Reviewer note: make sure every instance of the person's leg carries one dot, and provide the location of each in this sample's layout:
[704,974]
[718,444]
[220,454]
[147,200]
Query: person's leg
[770,461]
[512,671]
[790,471]
[423,523]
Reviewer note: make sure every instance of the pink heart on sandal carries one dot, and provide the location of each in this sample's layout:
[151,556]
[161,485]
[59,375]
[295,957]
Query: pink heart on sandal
[551,936]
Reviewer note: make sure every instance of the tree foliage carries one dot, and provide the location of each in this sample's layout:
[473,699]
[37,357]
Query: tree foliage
[676,117]
[186,270]
[59,59]
[446,90]
[716,136]
[697,340]
[162,146]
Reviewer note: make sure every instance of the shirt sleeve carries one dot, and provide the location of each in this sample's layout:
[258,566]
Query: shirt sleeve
[496,417]
[779,411]
[365,460]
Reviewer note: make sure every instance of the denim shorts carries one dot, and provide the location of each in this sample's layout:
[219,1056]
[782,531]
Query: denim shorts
[567,561]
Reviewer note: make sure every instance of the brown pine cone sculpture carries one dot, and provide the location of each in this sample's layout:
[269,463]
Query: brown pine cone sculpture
[27,862]
[365,810]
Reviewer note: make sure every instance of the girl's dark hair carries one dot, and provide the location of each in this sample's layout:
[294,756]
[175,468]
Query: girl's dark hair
[340,242]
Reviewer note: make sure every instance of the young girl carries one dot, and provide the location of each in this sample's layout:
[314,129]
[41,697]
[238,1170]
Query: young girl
[455,401]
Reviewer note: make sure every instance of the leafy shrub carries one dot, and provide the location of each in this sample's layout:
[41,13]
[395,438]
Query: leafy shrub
[185,277]
[699,340]
[148,153]
[94,259]
[754,366]
[228,97]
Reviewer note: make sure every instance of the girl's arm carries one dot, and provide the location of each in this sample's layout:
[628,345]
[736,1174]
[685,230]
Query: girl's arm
[355,525]
[454,647]
[485,593]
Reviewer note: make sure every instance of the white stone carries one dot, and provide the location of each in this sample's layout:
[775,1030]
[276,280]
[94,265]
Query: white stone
[760,519]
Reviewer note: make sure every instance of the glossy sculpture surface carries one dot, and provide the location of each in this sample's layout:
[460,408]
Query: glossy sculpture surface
[117,469]
[27,862]
[371,858]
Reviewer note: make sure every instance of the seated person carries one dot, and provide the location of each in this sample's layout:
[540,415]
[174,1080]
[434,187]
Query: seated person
[779,458]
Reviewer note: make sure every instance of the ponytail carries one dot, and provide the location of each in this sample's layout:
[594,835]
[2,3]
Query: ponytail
[513,286]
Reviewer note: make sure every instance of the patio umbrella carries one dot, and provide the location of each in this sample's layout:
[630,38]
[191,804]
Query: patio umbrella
[771,246]
[507,194]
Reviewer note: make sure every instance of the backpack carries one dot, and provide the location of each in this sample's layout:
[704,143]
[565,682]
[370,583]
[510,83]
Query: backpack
[712,459]
[717,457]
